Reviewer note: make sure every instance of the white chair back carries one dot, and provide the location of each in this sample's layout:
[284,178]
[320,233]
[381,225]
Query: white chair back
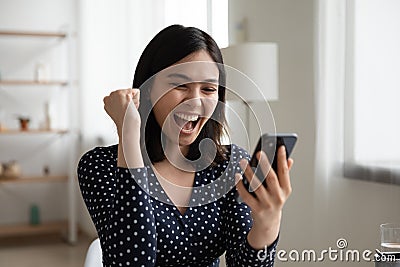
[94,255]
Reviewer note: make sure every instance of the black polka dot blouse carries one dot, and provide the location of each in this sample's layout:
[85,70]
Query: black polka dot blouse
[139,226]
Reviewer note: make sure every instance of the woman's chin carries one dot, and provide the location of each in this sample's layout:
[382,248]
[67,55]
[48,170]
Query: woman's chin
[187,140]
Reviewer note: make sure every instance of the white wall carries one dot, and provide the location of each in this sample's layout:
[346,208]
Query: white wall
[319,212]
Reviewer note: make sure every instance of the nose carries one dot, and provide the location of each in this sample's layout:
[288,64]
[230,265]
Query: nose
[194,97]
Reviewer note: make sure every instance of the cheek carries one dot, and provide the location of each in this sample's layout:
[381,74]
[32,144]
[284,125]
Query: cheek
[209,106]
[163,107]
[161,110]
[159,118]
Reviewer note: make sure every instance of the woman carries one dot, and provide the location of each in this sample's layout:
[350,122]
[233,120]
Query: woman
[159,199]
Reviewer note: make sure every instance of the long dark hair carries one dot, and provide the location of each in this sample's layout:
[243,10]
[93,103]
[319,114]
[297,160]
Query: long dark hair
[168,47]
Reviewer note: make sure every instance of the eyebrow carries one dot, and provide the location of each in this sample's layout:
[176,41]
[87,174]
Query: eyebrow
[184,77]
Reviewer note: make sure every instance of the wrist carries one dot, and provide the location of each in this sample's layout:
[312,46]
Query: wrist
[129,140]
[264,232]
[131,134]
[261,240]
[129,155]
[267,223]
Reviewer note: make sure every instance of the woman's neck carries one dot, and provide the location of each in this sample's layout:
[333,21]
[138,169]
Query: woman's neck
[175,156]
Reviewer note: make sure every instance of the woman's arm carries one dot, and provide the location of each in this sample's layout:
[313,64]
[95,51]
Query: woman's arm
[267,206]
[122,106]
[252,227]
[119,207]
[115,195]
[238,223]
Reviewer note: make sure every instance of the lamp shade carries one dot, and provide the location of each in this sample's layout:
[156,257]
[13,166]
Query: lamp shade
[258,62]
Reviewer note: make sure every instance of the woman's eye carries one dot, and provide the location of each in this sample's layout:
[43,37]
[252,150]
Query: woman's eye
[210,89]
[178,85]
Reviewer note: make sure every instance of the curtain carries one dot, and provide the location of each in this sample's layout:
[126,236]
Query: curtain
[330,84]
[112,36]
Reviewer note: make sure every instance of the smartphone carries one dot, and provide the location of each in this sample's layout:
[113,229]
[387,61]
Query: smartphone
[269,143]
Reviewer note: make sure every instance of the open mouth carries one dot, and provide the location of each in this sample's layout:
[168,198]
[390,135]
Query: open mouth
[186,122]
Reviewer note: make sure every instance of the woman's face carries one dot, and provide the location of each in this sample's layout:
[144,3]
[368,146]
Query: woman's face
[184,97]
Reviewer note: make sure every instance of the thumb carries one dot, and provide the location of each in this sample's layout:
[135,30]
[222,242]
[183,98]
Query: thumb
[290,163]
[135,92]
[136,97]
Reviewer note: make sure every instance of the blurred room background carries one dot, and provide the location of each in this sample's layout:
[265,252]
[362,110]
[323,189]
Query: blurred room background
[338,90]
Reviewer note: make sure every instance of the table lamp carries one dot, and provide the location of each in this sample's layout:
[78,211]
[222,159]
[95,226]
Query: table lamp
[256,81]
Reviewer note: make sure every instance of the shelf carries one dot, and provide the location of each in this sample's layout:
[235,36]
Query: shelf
[27,229]
[33,131]
[24,48]
[33,34]
[34,179]
[29,82]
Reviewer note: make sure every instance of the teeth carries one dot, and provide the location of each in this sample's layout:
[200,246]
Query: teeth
[187,117]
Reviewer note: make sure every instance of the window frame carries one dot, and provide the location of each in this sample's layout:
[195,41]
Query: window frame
[351,168]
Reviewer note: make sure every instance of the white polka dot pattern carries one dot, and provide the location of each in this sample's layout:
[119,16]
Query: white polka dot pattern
[137,229]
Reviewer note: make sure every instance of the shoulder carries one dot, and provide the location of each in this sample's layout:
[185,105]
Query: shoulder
[235,153]
[230,165]
[106,153]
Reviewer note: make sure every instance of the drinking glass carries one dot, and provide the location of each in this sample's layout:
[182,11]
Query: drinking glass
[390,245]
[390,237]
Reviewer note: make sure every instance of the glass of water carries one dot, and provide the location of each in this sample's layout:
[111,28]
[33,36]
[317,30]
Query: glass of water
[390,237]
[390,246]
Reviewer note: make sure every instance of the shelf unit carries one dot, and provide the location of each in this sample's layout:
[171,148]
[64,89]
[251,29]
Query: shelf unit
[65,226]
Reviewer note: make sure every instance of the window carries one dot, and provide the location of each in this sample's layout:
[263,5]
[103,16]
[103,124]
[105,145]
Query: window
[119,31]
[209,15]
[372,96]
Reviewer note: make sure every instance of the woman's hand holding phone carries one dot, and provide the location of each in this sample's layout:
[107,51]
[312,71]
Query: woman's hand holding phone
[269,144]
[269,197]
